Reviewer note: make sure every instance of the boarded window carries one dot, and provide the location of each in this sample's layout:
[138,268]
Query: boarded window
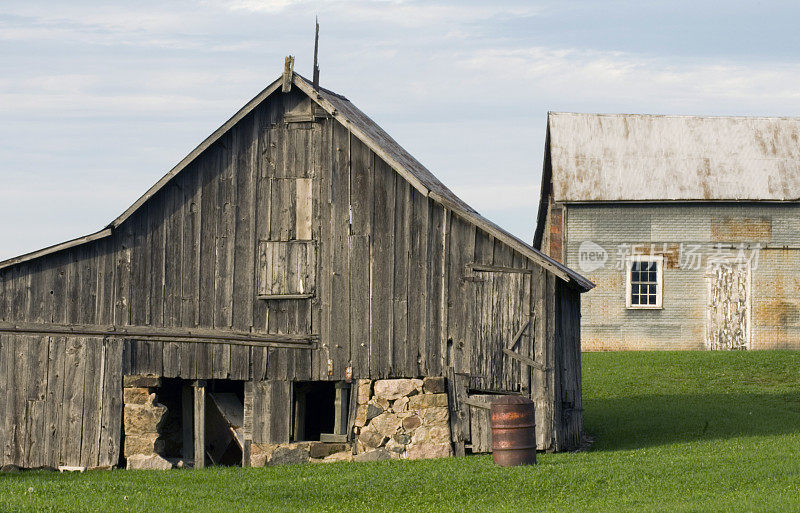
[287,269]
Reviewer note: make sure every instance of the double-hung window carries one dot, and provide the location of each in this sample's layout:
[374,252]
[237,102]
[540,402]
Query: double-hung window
[644,281]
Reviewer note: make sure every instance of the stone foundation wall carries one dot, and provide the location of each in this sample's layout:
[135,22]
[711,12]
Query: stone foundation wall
[299,452]
[143,418]
[395,419]
[403,418]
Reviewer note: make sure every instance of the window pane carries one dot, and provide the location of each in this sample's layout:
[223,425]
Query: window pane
[634,276]
[651,289]
[634,299]
[634,289]
[652,277]
[652,299]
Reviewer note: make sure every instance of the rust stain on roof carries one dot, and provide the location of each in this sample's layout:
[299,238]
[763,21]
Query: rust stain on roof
[637,157]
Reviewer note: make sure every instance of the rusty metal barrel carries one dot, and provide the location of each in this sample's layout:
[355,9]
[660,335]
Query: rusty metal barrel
[513,431]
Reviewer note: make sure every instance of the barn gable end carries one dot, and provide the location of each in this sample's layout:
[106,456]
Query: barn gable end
[298,244]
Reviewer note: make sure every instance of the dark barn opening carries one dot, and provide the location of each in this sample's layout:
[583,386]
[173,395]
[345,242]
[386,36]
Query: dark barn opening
[224,422]
[171,432]
[314,409]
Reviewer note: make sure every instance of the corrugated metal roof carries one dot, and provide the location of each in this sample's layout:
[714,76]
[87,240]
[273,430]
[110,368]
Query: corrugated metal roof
[637,157]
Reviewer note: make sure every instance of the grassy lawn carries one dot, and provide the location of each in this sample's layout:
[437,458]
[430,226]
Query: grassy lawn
[681,431]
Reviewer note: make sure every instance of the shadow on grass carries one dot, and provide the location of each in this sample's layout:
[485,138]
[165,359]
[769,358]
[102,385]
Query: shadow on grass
[651,420]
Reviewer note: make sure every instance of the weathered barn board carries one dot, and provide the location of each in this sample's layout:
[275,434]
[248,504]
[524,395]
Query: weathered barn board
[298,243]
[271,410]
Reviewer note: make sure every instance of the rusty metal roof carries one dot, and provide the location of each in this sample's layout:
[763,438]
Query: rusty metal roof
[638,157]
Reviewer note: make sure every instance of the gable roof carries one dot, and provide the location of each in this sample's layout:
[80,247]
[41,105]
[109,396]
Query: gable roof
[638,157]
[378,141]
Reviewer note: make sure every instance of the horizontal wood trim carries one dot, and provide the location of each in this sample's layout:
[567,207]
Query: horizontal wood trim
[58,247]
[285,296]
[197,335]
[525,360]
[490,391]
[497,269]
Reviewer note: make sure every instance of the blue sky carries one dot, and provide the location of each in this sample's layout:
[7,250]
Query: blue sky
[98,100]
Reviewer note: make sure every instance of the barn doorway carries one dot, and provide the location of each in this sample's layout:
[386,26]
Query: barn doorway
[320,411]
[174,409]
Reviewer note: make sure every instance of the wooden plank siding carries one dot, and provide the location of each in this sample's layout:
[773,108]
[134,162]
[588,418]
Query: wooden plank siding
[377,274]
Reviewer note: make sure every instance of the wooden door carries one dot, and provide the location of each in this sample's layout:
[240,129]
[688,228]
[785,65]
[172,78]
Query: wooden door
[728,307]
[502,323]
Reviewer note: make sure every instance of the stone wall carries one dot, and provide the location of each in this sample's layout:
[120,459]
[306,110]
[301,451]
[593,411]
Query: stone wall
[403,418]
[395,419]
[299,452]
[143,418]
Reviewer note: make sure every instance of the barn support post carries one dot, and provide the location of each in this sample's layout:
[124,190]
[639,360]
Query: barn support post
[342,408]
[187,417]
[199,423]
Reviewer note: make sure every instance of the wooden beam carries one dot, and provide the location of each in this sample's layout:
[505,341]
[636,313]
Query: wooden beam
[524,359]
[288,71]
[341,409]
[518,335]
[476,404]
[502,236]
[267,297]
[163,334]
[496,269]
[199,423]
[187,418]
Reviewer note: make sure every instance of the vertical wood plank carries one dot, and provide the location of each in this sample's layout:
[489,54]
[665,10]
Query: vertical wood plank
[339,344]
[359,305]
[382,272]
[72,406]
[208,246]
[436,336]
[304,209]
[111,404]
[91,386]
[199,423]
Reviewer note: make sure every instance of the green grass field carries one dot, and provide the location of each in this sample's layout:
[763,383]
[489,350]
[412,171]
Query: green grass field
[675,431]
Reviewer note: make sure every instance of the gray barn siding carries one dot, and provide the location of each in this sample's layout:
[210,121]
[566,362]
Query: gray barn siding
[393,298]
[62,401]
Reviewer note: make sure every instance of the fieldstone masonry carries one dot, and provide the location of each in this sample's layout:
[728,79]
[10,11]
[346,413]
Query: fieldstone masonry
[395,419]
[402,418]
[143,418]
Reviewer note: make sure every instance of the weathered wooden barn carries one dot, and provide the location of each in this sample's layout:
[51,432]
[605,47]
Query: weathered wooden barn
[297,278]
[690,226]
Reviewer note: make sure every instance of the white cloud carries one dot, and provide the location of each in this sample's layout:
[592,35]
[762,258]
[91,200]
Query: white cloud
[126,89]
[608,78]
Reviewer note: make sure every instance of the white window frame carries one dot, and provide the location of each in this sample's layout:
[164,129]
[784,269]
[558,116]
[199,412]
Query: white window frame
[659,260]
